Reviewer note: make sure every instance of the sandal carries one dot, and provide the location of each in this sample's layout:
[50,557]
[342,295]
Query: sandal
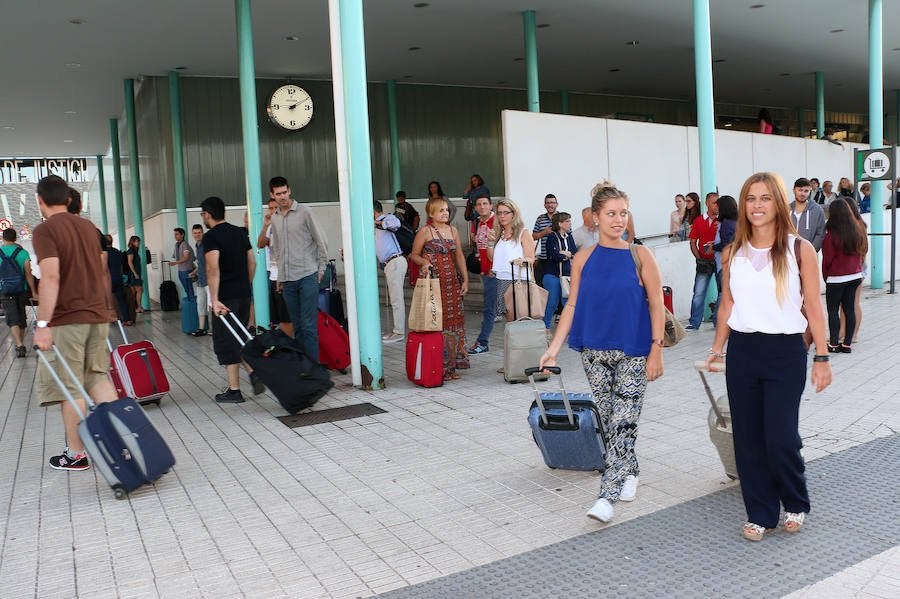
[833,349]
[793,521]
[451,376]
[754,532]
[845,349]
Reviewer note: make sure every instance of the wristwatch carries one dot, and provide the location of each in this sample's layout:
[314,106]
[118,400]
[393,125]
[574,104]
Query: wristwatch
[42,324]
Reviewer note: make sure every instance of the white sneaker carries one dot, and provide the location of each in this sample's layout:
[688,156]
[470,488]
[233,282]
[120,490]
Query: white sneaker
[602,511]
[629,488]
[393,337]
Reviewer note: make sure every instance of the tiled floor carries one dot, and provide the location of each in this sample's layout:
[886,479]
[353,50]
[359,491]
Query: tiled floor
[445,480]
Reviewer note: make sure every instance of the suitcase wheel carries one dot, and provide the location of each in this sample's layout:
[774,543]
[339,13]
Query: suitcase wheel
[119,492]
[730,476]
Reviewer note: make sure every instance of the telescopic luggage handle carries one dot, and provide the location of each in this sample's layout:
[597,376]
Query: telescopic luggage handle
[61,385]
[716,367]
[240,327]
[533,370]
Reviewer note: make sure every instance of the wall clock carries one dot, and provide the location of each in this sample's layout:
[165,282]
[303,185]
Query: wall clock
[290,107]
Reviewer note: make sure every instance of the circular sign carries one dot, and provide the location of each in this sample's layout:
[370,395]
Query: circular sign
[876,165]
[5,223]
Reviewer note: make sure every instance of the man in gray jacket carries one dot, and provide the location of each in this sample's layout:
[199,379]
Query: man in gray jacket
[298,249]
[808,217]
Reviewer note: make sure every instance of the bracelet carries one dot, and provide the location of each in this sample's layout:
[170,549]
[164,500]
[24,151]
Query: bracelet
[715,354]
[821,358]
[658,342]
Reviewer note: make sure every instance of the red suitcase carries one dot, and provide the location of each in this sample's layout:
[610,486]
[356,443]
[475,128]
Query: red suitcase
[334,344]
[667,298]
[425,358]
[114,377]
[139,370]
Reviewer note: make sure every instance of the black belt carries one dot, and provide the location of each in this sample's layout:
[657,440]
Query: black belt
[385,263]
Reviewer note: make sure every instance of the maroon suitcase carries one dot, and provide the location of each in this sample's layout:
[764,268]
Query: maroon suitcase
[334,344]
[425,358]
[140,371]
[667,298]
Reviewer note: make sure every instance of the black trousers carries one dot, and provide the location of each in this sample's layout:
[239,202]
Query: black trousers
[837,296]
[766,376]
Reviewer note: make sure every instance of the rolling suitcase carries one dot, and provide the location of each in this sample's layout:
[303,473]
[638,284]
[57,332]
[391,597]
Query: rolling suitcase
[118,436]
[114,377]
[280,363]
[334,344]
[330,299]
[140,370]
[190,321]
[667,298]
[425,358]
[524,342]
[719,421]
[566,427]
[168,294]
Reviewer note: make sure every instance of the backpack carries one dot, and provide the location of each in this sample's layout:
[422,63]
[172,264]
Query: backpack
[405,238]
[12,278]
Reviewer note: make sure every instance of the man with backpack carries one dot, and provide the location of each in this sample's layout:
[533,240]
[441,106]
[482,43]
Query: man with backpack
[15,281]
[391,259]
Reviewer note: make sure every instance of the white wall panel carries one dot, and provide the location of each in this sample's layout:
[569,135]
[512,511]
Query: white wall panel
[734,160]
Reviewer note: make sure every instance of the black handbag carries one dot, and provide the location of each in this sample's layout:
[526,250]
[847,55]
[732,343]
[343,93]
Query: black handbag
[473,262]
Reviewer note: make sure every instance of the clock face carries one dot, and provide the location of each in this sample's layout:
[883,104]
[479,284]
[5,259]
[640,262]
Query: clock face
[290,107]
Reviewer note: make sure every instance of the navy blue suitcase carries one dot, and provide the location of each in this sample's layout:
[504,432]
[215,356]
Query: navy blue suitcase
[190,320]
[119,438]
[566,427]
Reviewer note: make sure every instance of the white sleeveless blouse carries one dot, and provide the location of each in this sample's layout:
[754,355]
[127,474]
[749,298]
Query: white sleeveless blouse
[756,308]
[505,251]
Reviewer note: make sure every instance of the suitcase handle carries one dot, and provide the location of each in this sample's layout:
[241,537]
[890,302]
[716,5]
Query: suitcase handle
[61,385]
[716,367]
[240,327]
[530,372]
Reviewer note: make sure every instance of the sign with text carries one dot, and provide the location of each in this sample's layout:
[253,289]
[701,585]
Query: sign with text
[32,170]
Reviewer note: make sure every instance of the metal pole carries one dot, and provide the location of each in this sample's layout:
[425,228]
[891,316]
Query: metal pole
[876,135]
[340,130]
[104,218]
[396,181]
[252,173]
[564,101]
[356,120]
[820,104]
[134,174]
[705,110]
[177,150]
[117,181]
[531,61]
[894,231]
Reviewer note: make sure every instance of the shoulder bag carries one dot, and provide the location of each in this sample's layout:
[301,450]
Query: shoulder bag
[674,330]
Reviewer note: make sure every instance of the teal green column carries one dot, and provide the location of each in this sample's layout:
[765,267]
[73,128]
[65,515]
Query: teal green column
[897,113]
[820,104]
[137,207]
[104,218]
[801,121]
[705,116]
[876,136]
[393,130]
[564,101]
[252,174]
[356,118]
[177,151]
[531,61]
[117,182]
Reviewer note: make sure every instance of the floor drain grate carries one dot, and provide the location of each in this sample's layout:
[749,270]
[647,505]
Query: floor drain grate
[330,415]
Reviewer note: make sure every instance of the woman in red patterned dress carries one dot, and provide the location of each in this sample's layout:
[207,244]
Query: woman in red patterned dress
[437,246]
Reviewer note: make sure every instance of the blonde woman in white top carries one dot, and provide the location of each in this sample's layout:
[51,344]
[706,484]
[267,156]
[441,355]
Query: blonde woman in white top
[510,242]
[769,275]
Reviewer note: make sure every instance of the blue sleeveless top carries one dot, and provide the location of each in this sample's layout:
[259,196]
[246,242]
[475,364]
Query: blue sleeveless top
[611,311]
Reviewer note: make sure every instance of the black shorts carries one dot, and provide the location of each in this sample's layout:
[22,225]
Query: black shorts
[14,307]
[278,312]
[227,348]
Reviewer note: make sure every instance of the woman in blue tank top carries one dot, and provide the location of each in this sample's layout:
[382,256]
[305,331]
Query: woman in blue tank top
[615,318]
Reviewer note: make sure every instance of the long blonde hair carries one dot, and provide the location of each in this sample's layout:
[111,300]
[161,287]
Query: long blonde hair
[517,224]
[784,226]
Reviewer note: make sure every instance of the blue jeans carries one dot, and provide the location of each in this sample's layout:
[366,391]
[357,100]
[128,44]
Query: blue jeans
[186,284]
[489,311]
[302,299]
[701,285]
[554,297]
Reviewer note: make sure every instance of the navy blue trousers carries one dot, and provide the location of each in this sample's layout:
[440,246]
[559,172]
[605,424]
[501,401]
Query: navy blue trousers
[766,376]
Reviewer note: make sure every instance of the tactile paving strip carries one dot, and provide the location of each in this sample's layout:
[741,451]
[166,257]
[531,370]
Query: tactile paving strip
[694,549]
[330,415]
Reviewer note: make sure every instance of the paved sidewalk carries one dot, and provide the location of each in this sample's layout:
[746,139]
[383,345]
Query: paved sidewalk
[446,480]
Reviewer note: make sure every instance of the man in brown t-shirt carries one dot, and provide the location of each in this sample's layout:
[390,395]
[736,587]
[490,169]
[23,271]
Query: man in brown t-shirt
[73,312]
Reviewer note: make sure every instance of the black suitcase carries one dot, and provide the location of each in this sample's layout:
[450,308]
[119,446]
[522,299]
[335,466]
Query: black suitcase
[330,300]
[118,436]
[281,364]
[168,295]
